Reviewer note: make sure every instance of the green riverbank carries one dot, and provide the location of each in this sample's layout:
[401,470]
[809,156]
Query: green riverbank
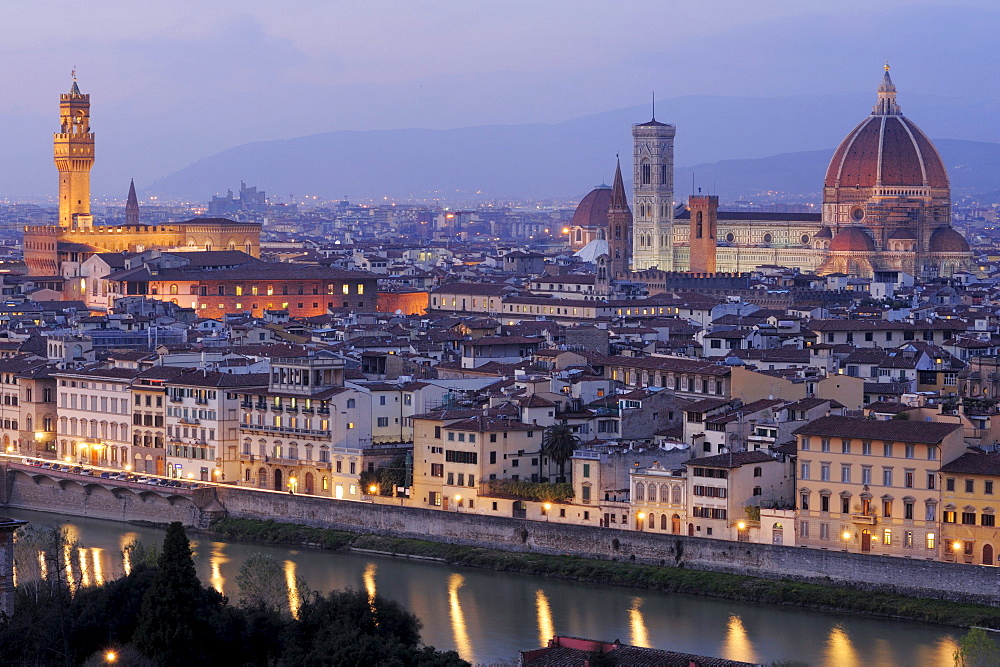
[615,573]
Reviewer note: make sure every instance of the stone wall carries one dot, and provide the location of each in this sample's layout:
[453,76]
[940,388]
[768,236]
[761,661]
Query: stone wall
[922,578]
[23,490]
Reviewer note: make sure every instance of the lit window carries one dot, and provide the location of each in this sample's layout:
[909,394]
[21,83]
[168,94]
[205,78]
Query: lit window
[930,540]
[361,288]
[345,288]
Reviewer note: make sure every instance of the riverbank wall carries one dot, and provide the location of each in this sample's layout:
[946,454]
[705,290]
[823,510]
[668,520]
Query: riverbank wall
[865,572]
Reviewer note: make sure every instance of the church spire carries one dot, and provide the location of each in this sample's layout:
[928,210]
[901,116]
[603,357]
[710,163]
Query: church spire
[132,206]
[618,200]
[74,89]
[886,105]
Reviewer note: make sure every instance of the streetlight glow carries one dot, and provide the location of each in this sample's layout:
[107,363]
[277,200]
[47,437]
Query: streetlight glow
[742,525]
[846,535]
[110,656]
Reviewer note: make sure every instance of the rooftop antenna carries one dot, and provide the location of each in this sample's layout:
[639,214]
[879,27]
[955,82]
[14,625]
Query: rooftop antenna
[654,104]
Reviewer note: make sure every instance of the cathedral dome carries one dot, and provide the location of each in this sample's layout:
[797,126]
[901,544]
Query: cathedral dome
[852,239]
[946,239]
[593,209]
[886,149]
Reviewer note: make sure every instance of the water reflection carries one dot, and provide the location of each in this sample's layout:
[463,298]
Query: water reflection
[546,629]
[97,558]
[482,614]
[123,542]
[369,578]
[840,652]
[738,645]
[215,561]
[84,568]
[640,636]
[292,581]
[458,628]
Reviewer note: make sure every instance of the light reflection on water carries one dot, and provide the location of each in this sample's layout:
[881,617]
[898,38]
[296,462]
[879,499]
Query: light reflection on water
[637,624]
[216,560]
[291,581]
[738,645]
[458,628]
[840,651]
[546,629]
[489,616]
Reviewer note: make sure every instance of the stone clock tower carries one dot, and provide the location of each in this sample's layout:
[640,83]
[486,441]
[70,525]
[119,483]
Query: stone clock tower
[653,196]
[74,157]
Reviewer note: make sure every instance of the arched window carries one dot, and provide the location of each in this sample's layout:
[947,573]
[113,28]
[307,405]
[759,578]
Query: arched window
[699,228]
[640,491]
[645,173]
[663,522]
[676,493]
[173,289]
[652,498]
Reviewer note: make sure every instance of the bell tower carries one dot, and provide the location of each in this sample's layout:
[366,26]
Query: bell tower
[74,156]
[619,228]
[653,196]
[702,237]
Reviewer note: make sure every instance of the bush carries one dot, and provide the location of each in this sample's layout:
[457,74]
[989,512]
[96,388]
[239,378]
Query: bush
[549,493]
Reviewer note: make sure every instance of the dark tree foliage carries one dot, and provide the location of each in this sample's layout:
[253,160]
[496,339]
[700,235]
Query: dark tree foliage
[346,628]
[176,610]
[165,614]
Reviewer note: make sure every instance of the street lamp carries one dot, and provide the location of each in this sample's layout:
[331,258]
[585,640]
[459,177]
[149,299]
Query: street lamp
[458,501]
[641,516]
[111,656]
[293,484]
[371,491]
[546,507]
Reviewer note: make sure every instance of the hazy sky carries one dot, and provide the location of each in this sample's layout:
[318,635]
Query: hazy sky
[172,82]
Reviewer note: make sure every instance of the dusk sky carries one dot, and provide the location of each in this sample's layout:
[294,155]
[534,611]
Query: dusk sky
[174,82]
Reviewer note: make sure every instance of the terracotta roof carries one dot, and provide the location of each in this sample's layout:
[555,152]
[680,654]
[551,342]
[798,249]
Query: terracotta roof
[975,463]
[893,430]
[731,460]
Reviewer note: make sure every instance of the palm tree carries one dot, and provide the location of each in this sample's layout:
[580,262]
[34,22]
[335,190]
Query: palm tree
[559,443]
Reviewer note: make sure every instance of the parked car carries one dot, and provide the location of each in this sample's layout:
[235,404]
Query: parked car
[105,475]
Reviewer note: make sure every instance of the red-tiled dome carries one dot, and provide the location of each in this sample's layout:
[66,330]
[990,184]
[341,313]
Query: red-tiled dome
[946,239]
[852,239]
[886,149]
[593,209]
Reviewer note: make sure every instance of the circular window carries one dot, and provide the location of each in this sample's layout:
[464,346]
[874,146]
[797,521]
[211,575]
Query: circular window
[857,214]
[805,239]
[768,238]
[730,237]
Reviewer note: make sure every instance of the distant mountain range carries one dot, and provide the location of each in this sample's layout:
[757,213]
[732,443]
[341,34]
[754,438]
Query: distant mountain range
[566,160]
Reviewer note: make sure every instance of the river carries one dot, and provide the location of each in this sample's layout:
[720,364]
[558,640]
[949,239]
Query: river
[489,616]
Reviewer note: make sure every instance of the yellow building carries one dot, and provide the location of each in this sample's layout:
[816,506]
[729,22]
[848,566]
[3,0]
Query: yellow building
[58,250]
[872,486]
[969,488]
[455,456]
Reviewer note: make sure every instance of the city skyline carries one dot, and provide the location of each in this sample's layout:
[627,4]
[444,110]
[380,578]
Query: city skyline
[275,77]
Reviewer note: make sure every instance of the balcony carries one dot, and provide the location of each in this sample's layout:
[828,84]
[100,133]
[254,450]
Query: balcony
[868,519]
[246,405]
[284,429]
[201,401]
[291,409]
[189,420]
[308,411]
[323,411]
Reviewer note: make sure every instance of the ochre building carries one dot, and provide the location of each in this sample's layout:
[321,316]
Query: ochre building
[58,250]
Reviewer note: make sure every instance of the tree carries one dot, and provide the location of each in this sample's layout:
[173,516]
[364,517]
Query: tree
[173,622]
[263,584]
[349,628]
[559,443]
[976,649]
